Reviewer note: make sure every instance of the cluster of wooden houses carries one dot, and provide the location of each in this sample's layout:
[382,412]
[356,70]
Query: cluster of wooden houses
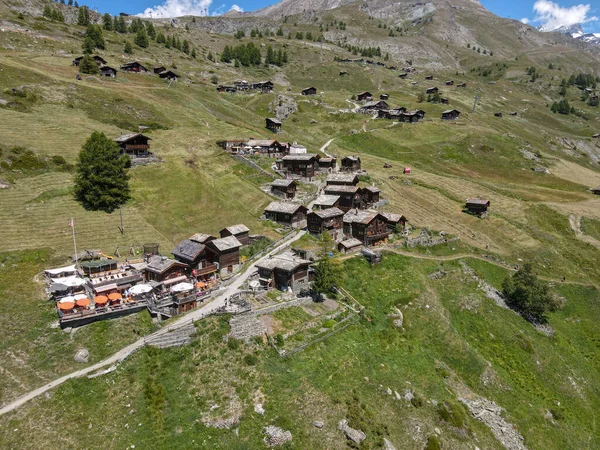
[245,86]
[383,110]
[134,67]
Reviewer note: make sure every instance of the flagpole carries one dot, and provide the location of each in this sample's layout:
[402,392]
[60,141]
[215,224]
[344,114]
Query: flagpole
[74,242]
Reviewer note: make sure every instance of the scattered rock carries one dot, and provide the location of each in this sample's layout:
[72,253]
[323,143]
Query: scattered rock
[437,275]
[67,330]
[55,324]
[313,121]
[408,395]
[275,436]
[319,423]
[259,409]
[82,355]
[387,445]
[398,317]
[389,391]
[355,436]
[437,431]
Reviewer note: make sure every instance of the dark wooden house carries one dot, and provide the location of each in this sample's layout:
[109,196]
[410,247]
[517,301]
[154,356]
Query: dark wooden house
[596,190]
[374,106]
[224,88]
[202,238]
[309,91]
[384,96]
[191,253]
[326,202]
[432,90]
[265,147]
[225,252]
[240,231]
[445,100]
[168,74]
[327,164]
[477,206]
[304,166]
[273,124]
[233,145]
[498,114]
[462,85]
[285,272]
[107,71]
[165,270]
[411,116]
[450,114]
[98,59]
[394,222]
[134,67]
[429,77]
[322,220]
[450,83]
[403,75]
[284,188]
[351,245]
[342,179]
[289,214]
[364,96]
[135,145]
[370,195]
[369,227]
[159,69]
[350,164]
[596,136]
[350,196]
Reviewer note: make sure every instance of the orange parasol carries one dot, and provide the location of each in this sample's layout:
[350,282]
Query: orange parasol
[100,300]
[65,306]
[114,296]
[200,284]
[83,302]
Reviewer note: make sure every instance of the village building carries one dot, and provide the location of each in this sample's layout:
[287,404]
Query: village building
[351,245]
[370,195]
[168,74]
[394,222]
[342,179]
[159,69]
[165,270]
[309,91]
[98,59]
[450,114]
[412,116]
[265,147]
[322,220]
[445,101]
[350,164]
[135,145]
[134,67]
[225,253]
[429,77]
[403,75]
[369,227]
[498,114]
[109,72]
[374,106]
[477,206]
[450,83]
[285,272]
[196,256]
[326,201]
[350,196]
[297,149]
[327,164]
[233,145]
[596,136]
[273,124]
[202,238]
[364,96]
[228,89]
[462,85]
[384,96]
[302,166]
[394,113]
[432,90]
[596,190]
[289,214]
[284,188]
[241,85]
[240,231]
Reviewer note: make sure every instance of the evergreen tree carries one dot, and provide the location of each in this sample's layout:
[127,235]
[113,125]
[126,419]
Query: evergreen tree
[101,181]
[59,16]
[107,21]
[122,26]
[70,3]
[160,38]
[284,58]
[210,56]
[141,38]
[168,42]
[325,277]
[280,32]
[88,65]
[128,50]
[94,32]
[185,47]
[151,30]
[83,17]
[76,4]
[88,46]
[47,12]
[194,53]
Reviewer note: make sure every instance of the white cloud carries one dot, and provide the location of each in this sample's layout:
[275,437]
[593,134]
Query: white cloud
[525,20]
[236,8]
[553,16]
[178,8]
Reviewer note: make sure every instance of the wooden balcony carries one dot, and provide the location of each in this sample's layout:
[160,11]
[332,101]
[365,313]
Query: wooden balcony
[210,268]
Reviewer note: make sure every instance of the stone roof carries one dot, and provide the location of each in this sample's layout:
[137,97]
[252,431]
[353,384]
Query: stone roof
[328,213]
[327,200]
[272,119]
[130,136]
[261,142]
[333,188]
[226,243]
[283,207]
[448,111]
[282,183]
[390,217]
[188,250]
[202,238]
[342,178]
[477,201]
[364,217]
[237,229]
[304,157]
[373,189]
[349,243]
[160,264]
[282,262]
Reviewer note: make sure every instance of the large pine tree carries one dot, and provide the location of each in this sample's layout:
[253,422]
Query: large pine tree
[102,181]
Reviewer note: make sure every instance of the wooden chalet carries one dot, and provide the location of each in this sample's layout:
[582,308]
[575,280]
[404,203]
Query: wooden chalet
[165,270]
[265,147]
[309,91]
[350,196]
[202,238]
[263,86]
[342,179]
[327,164]
[374,106]
[289,214]
[394,113]
[240,231]
[168,74]
[477,206]
[159,69]
[429,77]
[350,164]
[242,85]
[462,85]
[370,195]
[225,252]
[450,83]
[322,220]
[107,71]
[412,116]
[403,75]
[233,145]
[369,227]
[224,88]
[432,90]
[450,114]
[364,96]
[498,114]
[596,190]
[384,96]
[303,166]
[351,245]
[512,113]
[273,124]
[135,145]
[596,136]
[326,201]
[445,100]
[394,221]
[196,256]
[284,188]
[285,272]
[134,67]
[98,59]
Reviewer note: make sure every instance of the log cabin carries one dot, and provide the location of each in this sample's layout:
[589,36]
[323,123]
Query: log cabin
[432,90]
[107,71]
[370,195]
[288,214]
[342,179]
[309,91]
[450,83]
[403,75]
[168,74]
[302,166]
[364,96]
[351,245]
[240,231]
[350,196]
[450,114]
[331,219]
[384,96]
[134,67]
[225,253]
[273,124]
[327,164]
[165,270]
[135,145]
[350,164]
[326,201]
[159,69]
[374,106]
[98,59]
[369,227]
[395,222]
[284,188]
[265,147]
[477,206]
[285,272]
[596,191]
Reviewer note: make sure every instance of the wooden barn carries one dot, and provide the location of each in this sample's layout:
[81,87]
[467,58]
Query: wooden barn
[429,77]
[326,201]
[450,114]
[240,231]
[364,96]
[159,69]
[351,245]
[596,136]
[596,190]
[135,145]
[224,88]
[350,196]
[403,75]
[191,253]
[168,74]
[107,71]
[165,270]
[309,91]
[327,164]
[432,90]
[342,179]
[384,96]
[303,166]
[477,206]
[273,124]
[369,227]
[202,238]
[374,106]
[394,221]
[350,164]
[289,214]
[450,83]
[462,85]
[265,147]
[226,252]
[370,195]
[322,220]
[285,272]
[133,67]
[284,188]
[444,101]
[98,59]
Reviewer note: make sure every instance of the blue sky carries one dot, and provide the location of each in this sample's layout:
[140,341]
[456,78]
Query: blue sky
[536,12]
